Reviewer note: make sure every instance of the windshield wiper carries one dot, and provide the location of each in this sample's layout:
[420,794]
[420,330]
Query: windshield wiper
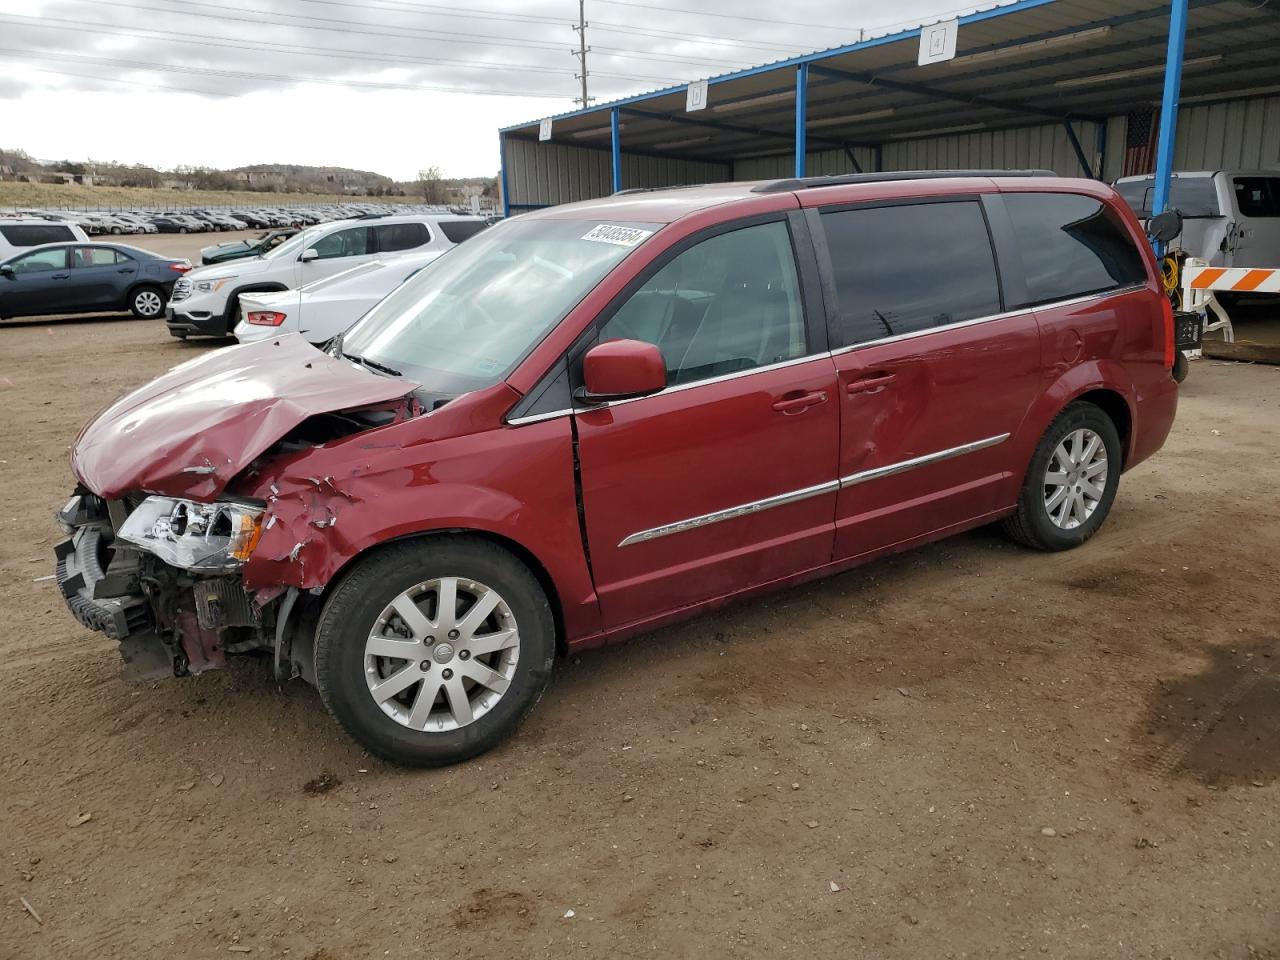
[371,364]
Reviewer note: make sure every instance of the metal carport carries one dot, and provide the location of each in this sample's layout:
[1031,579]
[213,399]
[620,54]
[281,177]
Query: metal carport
[1047,83]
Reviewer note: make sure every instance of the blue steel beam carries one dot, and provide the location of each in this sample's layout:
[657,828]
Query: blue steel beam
[1169,104]
[802,120]
[502,175]
[1075,145]
[615,132]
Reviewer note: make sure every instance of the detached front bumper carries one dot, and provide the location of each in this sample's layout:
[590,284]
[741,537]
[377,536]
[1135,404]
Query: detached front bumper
[168,621]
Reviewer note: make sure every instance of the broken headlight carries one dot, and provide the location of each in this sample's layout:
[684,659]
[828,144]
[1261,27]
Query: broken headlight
[194,536]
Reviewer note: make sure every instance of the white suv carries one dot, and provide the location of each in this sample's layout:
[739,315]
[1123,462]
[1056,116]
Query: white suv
[18,233]
[205,302]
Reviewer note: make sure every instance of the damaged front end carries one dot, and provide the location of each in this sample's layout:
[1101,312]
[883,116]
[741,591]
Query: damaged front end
[161,576]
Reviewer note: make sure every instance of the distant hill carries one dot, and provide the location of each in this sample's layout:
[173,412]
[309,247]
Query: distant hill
[299,177]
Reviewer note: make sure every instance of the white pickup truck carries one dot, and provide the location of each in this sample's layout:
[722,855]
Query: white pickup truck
[1231,218]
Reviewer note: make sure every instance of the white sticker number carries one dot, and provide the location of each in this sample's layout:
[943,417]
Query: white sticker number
[621,236]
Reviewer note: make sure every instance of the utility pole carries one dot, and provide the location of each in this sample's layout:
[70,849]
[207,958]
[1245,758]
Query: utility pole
[581,53]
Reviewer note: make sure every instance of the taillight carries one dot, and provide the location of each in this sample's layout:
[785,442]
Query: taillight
[180,267]
[269,318]
[1168,333]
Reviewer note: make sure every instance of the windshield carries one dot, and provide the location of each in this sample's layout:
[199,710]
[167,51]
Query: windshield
[295,244]
[464,321]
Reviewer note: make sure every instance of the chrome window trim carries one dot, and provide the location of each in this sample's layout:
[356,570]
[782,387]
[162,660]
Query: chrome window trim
[538,417]
[902,466]
[741,510]
[1006,315]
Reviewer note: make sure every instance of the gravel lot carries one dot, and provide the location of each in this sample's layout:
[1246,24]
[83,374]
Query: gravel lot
[968,750]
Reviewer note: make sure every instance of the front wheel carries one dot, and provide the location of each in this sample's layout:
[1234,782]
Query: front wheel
[1071,483]
[432,651]
[146,303]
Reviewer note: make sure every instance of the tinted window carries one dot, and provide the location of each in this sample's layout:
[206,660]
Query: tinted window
[730,303]
[907,268]
[344,243]
[93,257]
[1257,196]
[1190,196]
[42,261]
[401,236]
[32,235]
[459,230]
[1071,245]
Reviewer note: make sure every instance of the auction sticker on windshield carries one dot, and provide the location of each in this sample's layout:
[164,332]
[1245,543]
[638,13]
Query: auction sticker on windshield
[621,236]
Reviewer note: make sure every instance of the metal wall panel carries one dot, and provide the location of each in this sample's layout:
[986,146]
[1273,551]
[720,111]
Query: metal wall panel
[546,174]
[1039,147]
[1244,134]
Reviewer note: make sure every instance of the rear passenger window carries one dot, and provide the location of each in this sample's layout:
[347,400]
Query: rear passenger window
[401,236]
[901,269]
[730,303]
[34,234]
[1071,246]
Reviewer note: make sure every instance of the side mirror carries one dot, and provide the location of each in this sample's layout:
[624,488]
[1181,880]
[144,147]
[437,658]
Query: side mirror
[620,369]
[1165,227]
[309,254]
[7,271]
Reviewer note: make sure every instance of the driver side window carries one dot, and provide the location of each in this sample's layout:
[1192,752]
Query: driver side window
[729,303]
[344,243]
[42,261]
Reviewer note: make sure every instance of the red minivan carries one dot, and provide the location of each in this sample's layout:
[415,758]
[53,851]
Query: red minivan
[596,419]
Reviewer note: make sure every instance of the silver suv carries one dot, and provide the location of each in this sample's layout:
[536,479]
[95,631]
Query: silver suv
[206,301]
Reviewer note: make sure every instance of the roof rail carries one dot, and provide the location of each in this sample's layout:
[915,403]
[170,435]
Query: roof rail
[371,216]
[808,183]
[675,186]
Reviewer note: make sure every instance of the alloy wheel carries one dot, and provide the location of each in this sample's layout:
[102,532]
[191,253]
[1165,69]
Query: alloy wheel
[441,654]
[1076,478]
[148,303]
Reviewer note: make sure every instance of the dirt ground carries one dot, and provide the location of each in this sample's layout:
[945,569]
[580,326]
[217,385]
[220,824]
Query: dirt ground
[970,750]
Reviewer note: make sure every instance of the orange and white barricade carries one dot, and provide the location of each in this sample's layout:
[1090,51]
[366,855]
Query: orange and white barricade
[1201,284]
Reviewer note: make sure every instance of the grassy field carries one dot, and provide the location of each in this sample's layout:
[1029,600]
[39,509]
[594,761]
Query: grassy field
[58,195]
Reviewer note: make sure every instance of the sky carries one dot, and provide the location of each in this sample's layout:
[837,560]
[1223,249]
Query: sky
[391,86]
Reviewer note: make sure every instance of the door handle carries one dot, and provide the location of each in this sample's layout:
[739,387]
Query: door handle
[800,403]
[125,270]
[60,276]
[871,384]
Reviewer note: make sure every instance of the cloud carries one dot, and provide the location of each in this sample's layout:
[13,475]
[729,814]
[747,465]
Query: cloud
[304,53]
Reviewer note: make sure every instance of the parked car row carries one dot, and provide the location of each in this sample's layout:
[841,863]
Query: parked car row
[208,219]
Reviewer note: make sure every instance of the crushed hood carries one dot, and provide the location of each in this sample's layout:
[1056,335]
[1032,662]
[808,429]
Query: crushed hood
[190,431]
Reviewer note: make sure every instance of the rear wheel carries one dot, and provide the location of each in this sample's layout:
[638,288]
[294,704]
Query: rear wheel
[432,651]
[146,303]
[1071,483]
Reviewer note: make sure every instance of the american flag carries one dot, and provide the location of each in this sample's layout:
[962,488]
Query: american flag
[1140,141]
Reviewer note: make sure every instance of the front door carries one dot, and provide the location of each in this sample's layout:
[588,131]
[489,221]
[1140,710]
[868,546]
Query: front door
[726,479]
[37,284]
[1257,230]
[934,376]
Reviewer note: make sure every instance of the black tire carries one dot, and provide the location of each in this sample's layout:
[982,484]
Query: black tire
[147,302]
[1031,524]
[355,606]
[1181,366]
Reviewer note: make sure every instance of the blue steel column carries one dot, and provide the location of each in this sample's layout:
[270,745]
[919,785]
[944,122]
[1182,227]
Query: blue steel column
[617,149]
[1169,104]
[802,116]
[502,176]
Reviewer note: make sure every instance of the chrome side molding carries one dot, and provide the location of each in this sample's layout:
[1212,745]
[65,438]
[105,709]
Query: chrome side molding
[875,473]
[755,506]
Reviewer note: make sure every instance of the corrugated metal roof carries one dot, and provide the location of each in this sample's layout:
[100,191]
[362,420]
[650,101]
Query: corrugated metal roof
[1016,64]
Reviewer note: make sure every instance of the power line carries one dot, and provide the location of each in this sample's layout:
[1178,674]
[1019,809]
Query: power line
[133,83]
[145,33]
[607,27]
[724,16]
[399,33]
[244,75]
